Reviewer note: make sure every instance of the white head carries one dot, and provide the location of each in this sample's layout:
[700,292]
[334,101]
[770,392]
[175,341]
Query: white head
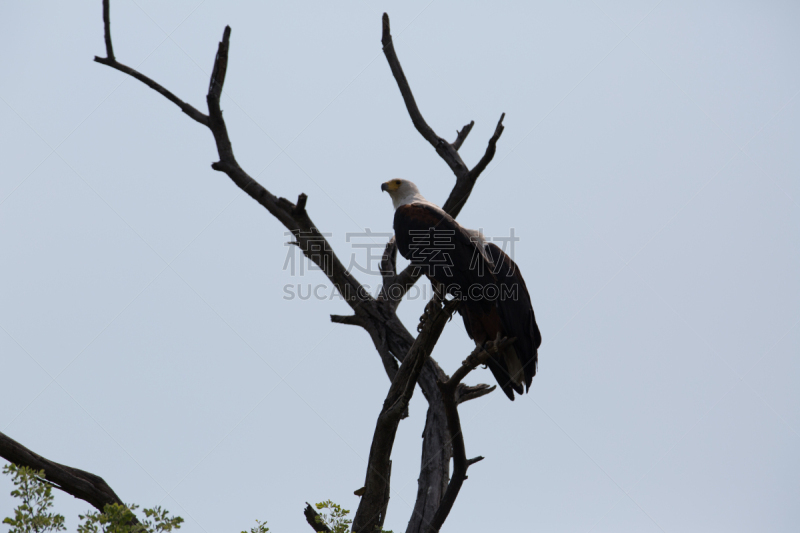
[402,192]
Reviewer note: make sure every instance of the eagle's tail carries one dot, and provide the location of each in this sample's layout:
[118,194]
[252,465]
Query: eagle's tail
[509,381]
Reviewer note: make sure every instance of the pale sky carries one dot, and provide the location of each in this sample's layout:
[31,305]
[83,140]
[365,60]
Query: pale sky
[649,167]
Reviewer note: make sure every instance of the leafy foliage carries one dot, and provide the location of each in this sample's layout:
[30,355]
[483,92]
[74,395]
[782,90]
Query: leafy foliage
[118,518]
[334,516]
[261,527]
[31,515]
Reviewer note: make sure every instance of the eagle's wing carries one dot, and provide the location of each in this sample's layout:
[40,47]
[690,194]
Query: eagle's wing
[440,246]
[516,311]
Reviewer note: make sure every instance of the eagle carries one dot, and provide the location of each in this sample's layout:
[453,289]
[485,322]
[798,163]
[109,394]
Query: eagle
[495,300]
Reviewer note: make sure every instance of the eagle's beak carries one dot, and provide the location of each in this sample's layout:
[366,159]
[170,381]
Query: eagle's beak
[384,187]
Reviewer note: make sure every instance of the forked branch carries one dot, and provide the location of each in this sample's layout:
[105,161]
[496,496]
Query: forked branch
[112,62]
[294,217]
[372,509]
[465,177]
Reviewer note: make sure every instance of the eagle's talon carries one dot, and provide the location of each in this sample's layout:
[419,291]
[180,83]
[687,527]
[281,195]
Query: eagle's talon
[429,309]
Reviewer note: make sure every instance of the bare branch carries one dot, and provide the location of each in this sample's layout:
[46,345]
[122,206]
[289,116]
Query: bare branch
[300,208]
[220,68]
[464,393]
[416,117]
[460,463]
[463,188]
[490,151]
[462,135]
[186,108]
[445,150]
[350,320]
[393,287]
[110,61]
[478,357]
[371,510]
[84,485]
[388,265]
[474,460]
[107,30]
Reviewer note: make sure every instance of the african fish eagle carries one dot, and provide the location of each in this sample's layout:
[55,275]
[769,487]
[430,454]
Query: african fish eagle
[495,300]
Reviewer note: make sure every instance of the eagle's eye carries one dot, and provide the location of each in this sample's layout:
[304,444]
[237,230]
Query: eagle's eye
[397,182]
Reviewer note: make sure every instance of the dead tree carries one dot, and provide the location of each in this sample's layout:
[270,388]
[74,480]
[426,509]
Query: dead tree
[442,438]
